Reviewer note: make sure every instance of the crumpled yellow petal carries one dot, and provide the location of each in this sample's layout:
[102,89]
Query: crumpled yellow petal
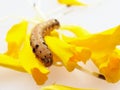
[77,30]
[65,35]
[10,62]
[20,56]
[28,60]
[102,46]
[15,37]
[38,76]
[31,64]
[69,33]
[100,43]
[67,53]
[63,87]
[71,2]
[111,67]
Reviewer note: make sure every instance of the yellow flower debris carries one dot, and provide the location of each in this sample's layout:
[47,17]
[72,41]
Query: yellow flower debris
[63,87]
[102,46]
[67,53]
[111,67]
[69,45]
[71,2]
[19,55]
[15,37]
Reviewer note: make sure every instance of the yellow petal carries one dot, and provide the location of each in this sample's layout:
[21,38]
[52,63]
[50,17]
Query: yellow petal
[65,35]
[81,54]
[28,59]
[15,37]
[10,62]
[102,46]
[31,64]
[69,33]
[39,77]
[71,2]
[100,42]
[62,87]
[68,54]
[111,68]
[17,33]
[20,56]
[77,30]
[110,31]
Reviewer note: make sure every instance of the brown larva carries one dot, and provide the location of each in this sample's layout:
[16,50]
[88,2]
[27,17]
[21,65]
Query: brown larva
[38,44]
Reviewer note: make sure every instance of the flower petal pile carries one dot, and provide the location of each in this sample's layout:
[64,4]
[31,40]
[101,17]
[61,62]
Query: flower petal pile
[103,48]
[69,45]
[68,54]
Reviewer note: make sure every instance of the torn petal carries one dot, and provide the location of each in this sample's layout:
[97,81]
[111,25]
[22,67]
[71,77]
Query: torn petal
[39,77]
[15,37]
[69,55]
[28,60]
[69,33]
[71,2]
[104,42]
[31,64]
[111,68]
[63,87]
[17,33]
[10,62]
[77,30]
[81,54]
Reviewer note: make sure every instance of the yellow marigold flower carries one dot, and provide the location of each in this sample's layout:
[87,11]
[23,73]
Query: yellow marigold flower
[71,2]
[62,87]
[20,56]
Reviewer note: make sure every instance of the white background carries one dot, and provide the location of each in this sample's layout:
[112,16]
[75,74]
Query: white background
[98,16]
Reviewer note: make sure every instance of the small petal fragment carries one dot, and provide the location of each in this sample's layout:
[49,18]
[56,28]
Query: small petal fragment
[69,33]
[77,30]
[39,77]
[71,2]
[62,87]
[111,68]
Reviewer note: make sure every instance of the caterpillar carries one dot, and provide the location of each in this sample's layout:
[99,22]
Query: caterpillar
[37,42]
